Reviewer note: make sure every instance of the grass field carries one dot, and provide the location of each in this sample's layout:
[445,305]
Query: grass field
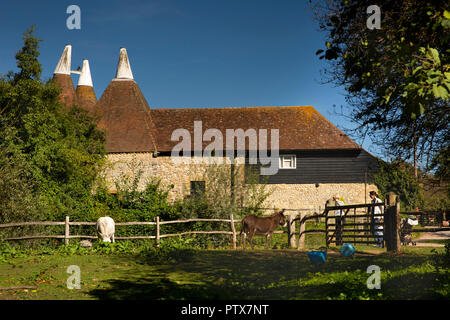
[222,274]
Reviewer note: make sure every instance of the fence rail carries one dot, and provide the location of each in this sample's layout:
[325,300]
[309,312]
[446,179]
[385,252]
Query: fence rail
[299,214]
[67,223]
[429,217]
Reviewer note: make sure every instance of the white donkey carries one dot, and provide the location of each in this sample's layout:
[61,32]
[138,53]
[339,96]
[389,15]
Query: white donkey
[106,229]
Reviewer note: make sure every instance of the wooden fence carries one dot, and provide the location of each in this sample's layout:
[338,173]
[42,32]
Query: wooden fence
[67,223]
[158,235]
[291,229]
[429,217]
[299,215]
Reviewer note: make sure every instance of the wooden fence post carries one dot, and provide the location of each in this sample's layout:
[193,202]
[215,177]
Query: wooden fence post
[301,237]
[157,231]
[291,230]
[67,232]
[397,222]
[233,229]
[392,223]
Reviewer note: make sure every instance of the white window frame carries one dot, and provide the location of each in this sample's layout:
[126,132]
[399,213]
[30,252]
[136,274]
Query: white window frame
[281,161]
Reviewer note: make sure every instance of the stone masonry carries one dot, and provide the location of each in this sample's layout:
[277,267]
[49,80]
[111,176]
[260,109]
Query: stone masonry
[177,177]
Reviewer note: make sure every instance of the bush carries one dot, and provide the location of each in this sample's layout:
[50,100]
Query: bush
[50,153]
[7,252]
[441,263]
[398,177]
[132,204]
[351,286]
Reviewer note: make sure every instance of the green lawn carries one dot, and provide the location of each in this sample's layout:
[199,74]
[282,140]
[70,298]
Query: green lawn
[223,274]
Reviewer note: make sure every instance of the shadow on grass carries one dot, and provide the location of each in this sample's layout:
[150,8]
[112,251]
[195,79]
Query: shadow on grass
[160,288]
[272,274]
[413,285]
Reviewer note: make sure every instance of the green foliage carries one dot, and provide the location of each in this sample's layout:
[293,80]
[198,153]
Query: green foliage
[178,270]
[351,286]
[397,77]
[441,263]
[422,63]
[17,197]
[398,177]
[27,58]
[100,247]
[441,161]
[437,202]
[234,189]
[71,249]
[51,160]
[52,156]
[132,204]
[436,192]
[8,253]
[51,153]
[171,250]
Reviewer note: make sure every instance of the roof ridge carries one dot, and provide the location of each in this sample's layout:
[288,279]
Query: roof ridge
[341,132]
[148,117]
[221,108]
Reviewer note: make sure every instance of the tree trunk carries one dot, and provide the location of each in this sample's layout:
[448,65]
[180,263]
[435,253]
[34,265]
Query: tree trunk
[415,150]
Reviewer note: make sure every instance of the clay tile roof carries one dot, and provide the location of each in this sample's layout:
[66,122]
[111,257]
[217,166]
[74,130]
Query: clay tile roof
[67,95]
[300,128]
[125,116]
[62,78]
[86,98]
[131,126]
[85,89]
[124,113]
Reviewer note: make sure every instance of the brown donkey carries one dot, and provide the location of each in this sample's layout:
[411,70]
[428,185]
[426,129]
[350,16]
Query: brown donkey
[252,225]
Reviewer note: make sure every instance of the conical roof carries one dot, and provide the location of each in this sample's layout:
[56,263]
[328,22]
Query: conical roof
[125,114]
[85,91]
[62,78]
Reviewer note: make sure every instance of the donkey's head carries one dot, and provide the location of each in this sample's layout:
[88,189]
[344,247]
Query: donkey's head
[282,217]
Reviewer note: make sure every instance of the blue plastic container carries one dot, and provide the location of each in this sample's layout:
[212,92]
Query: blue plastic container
[347,250]
[317,257]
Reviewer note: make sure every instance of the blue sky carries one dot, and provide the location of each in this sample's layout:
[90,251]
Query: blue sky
[187,53]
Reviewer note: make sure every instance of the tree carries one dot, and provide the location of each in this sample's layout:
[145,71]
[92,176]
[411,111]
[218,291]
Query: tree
[27,58]
[398,177]
[17,196]
[397,78]
[61,146]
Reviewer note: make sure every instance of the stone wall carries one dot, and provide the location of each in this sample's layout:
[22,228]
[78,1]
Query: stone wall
[308,196]
[125,167]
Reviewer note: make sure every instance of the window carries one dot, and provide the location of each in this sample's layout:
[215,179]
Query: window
[288,162]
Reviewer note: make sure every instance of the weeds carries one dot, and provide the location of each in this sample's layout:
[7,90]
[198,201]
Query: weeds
[441,264]
[170,251]
[7,253]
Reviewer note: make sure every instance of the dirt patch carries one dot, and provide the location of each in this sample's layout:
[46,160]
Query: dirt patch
[426,237]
